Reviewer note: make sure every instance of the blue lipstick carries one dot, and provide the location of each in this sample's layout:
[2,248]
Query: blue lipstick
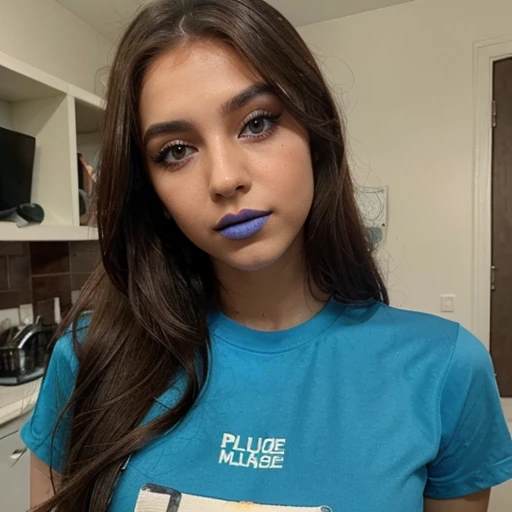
[242,225]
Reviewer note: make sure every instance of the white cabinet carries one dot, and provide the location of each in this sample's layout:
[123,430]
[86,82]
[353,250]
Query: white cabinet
[14,469]
[64,120]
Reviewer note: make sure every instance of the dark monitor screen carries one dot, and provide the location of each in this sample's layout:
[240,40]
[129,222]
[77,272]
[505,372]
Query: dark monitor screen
[16,167]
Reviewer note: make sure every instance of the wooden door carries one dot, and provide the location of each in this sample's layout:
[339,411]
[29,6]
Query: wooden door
[501,296]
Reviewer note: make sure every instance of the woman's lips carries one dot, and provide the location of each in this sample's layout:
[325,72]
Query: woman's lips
[243,224]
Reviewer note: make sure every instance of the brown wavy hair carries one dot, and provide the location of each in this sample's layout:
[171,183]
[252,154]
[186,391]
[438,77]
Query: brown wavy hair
[151,293]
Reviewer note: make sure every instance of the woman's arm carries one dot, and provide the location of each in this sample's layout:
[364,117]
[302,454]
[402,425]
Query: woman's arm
[478,502]
[40,482]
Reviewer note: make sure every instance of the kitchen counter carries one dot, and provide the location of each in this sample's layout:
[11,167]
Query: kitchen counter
[16,401]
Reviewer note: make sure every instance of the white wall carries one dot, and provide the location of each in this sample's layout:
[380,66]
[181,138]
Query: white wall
[407,77]
[5,115]
[48,36]
[404,76]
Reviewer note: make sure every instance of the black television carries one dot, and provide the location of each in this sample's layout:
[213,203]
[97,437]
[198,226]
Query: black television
[16,167]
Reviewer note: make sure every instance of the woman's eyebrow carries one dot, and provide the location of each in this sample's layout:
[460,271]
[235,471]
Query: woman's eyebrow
[241,99]
[166,128]
[232,105]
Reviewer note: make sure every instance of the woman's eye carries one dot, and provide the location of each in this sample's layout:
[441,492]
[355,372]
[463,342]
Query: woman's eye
[175,153]
[257,126]
[179,152]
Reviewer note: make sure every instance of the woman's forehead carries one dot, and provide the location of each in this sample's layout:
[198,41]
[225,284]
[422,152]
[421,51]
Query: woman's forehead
[193,78]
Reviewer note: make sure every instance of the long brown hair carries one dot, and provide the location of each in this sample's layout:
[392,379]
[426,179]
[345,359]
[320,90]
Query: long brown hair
[151,293]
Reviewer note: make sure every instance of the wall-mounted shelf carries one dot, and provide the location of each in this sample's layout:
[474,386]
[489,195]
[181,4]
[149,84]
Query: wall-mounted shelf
[65,120]
[9,232]
[20,81]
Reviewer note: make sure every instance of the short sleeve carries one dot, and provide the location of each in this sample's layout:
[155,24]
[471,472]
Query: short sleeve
[476,446]
[56,389]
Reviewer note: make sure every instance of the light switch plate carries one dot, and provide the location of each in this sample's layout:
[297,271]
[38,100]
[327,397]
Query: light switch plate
[447,303]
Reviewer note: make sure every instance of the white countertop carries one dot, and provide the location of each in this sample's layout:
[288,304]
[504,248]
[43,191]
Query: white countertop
[17,400]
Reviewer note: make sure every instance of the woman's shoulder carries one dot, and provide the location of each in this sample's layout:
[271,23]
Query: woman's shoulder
[63,351]
[403,322]
[409,339]
[406,327]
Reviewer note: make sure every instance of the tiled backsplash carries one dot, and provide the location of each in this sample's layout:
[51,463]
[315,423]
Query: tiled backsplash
[31,272]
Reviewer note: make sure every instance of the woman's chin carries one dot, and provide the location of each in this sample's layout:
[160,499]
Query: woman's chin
[248,264]
[262,254]
[251,258]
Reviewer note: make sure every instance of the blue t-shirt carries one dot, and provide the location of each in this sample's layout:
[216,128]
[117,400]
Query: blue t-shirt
[357,410]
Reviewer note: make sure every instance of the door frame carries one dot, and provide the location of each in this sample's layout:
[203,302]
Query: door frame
[485,54]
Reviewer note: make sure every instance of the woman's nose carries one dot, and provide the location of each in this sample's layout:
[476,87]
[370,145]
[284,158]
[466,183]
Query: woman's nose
[228,175]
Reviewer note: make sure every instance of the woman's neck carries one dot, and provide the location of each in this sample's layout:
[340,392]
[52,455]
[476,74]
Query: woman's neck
[273,298]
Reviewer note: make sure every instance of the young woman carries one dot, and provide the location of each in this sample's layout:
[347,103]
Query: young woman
[240,346]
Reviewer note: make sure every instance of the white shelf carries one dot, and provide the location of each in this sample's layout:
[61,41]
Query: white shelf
[64,119]
[87,118]
[9,232]
[86,97]
[20,81]
[88,110]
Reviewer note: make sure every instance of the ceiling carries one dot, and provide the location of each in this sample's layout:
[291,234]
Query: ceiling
[109,17]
